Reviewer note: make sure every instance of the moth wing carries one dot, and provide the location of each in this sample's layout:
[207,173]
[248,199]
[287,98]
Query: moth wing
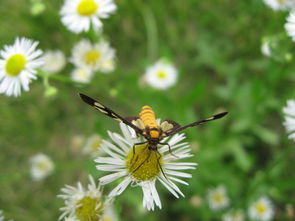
[168,126]
[180,128]
[106,111]
[136,121]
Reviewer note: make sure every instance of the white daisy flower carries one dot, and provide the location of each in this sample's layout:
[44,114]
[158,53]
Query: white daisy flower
[145,167]
[234,215]
[161,75]
[217,198]
[54,61]
[109,214]
[82,203]
[41,166]
[92,146]
[265,49]
[82,75]
[1,216]
[71,219]
[97,57]
[289,123]
[18,64]
[262,209]
[278,5]
[80,15]
[290,25]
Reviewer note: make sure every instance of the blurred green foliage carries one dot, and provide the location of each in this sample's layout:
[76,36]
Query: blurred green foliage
[216,48]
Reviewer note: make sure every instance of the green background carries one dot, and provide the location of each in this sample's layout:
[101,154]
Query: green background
[216,47]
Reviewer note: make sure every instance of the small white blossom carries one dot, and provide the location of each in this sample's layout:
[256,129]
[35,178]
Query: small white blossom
[265,49]
[41,166]
[18,64]
[289,123]
[144,167]
[82,75]
[282,5]
[217,198]
[96,57]
[290,25]
[92,146]
[54,61]
[262,209]
[80,15]
[161,75]
[234,215]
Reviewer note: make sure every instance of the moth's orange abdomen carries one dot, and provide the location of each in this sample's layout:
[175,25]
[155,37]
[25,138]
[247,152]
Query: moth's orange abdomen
[148,118]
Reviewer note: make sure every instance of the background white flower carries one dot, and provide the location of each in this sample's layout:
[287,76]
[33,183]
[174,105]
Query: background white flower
[96,57]
[1,216]
[82,203]
[262,209]
[280,4]
[109,214]
[18,64]
[265,49]
[217,198]
[161,75]
[290,25]
[289,123]
[41,166]
[234,215]
[82,75]
[80,15]
[144,173]
[54,61]
[92,146]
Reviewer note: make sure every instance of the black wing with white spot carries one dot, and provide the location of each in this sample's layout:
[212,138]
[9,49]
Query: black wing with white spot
[103,109]
[176,129]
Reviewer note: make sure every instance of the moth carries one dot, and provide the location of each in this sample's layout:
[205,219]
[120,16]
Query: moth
[146,125]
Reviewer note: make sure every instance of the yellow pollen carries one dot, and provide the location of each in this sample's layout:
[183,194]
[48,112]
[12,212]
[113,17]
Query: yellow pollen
[87,7]
[15,64]
[281,1]
[161,74]
[89,209]
[91,57]
[43,166]
[144,165]
[218,198]
[261,208]
[96,144]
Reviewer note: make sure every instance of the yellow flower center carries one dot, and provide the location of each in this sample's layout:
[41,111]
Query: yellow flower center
[43,166]
[15,64]
[144,164]
[89,209]
[281,1]
[161,74]
[91,57]
[96,144]
[107,219]
[218,198]
[261,208]
[87,7]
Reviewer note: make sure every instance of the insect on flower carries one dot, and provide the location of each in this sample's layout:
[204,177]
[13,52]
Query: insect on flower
[147,126]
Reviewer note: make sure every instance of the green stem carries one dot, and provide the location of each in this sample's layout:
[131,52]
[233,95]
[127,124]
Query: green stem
[57,77]
[151,31]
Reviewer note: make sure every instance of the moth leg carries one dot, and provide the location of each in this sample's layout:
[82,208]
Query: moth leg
[159,165]
[133,148]
[170,151]
[148,156]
